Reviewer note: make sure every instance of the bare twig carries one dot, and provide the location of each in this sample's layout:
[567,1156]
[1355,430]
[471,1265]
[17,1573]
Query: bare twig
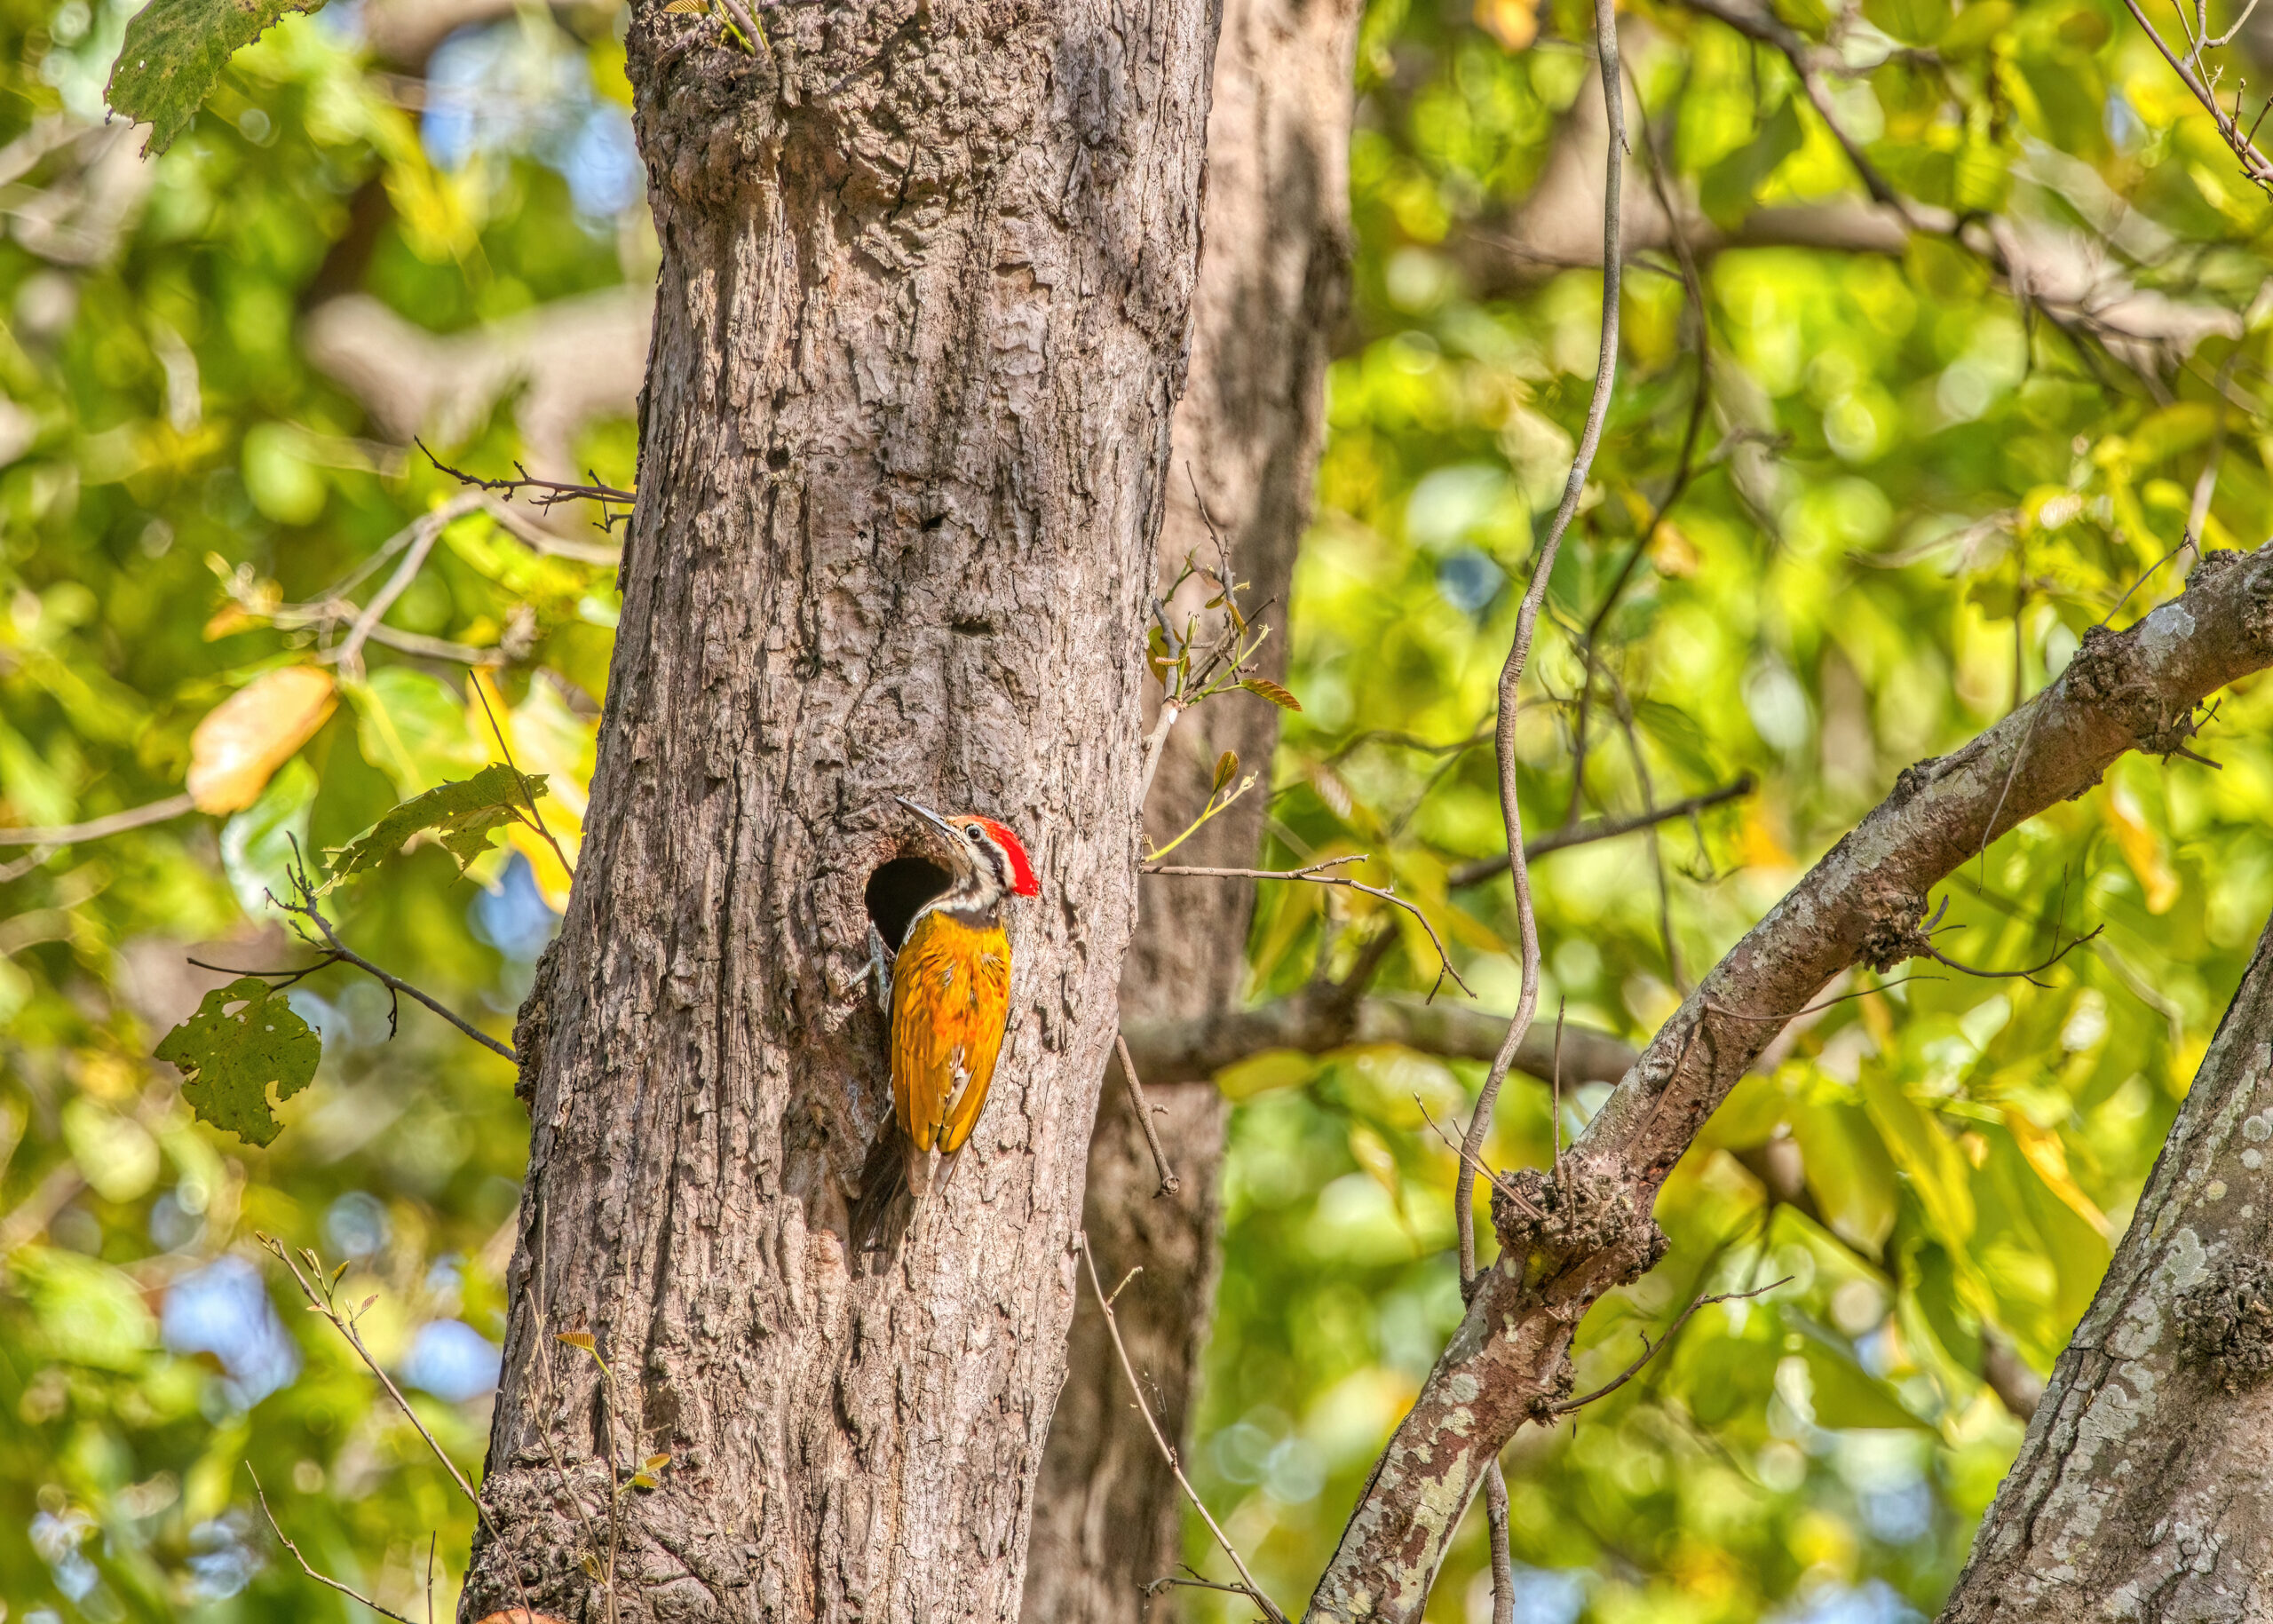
[1649,1351]
[96,829]
[1169,1183]
[305,907]
[1605,828]
[546,492]
[481,691]
[1247,1586]
[2253,162]
[1316,876]
[1527,621]
[1473,1162]
[353,1594]
[319,1299]
[425,533]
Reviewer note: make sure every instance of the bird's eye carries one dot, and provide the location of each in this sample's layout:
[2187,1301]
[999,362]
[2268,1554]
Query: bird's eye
[973,831]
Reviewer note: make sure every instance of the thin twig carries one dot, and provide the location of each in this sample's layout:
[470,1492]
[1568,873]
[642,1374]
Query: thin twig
[1474,1163]
[1483,868]
[285,1539]
[2254,163]
[481,691]
[2028,975]
[425,533]
[1527,622]
[96,829]
[548,491]
[305,907]
[1650,1352]
[1314,874]
[346,1326]
[1249,1588]
[1169,1183]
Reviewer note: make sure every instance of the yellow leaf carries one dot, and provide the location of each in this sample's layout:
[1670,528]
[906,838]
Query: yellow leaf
[1373,1154]
[2141,848]
[1673,553]
[2043,1153]
[1513,23]
[253,732]
[576,1339]
[548,737]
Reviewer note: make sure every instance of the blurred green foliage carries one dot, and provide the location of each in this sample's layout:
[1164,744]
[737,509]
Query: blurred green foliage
[178,475]
[1908,490]
[1896,494]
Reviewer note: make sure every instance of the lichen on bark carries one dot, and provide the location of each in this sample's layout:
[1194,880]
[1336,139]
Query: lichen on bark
[2141,1494]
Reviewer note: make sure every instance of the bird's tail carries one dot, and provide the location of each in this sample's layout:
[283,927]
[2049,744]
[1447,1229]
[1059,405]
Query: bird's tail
[882,1177]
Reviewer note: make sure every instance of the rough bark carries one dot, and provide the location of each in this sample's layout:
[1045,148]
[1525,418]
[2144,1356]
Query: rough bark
[2143,1491]
[1862,904]
[1274,285]
[920,325]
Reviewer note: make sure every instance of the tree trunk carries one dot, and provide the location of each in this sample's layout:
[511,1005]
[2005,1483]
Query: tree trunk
[920,325]
[2144,1489]
[1273,286]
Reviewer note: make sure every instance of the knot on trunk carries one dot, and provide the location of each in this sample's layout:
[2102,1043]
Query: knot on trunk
[2225,1321]
[1897,929]
[2108,672]
[1585,1213]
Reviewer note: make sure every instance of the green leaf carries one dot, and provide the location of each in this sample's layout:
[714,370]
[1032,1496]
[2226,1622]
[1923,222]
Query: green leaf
[412,726]
[173,56]
[464,814]
[1849,1171]
[257,843]
[1267,689]
[1975,27]
[1847,1396]
[1936,1167]
[1725,191]
[232,1057]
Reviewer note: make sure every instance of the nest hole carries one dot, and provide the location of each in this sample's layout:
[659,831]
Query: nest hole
[897,888]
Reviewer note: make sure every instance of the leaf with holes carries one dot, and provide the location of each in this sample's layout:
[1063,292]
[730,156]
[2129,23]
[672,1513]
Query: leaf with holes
[232,1056]
[173,55]
[462,816]
[1272,691]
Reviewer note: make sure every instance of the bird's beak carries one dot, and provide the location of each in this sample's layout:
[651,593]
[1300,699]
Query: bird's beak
[936,821]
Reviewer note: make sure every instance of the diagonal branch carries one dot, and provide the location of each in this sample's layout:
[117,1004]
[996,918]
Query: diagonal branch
[1320,1018]
[1859,905]
[1483,868]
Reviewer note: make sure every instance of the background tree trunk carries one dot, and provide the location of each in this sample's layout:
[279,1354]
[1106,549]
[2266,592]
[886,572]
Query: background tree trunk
[1274,289]
[2143,1490]
[920,325]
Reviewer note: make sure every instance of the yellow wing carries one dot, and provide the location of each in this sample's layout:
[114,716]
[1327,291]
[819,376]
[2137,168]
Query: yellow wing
[951,1000]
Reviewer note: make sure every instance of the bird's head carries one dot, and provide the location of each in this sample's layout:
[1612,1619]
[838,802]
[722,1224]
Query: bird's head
[988,860]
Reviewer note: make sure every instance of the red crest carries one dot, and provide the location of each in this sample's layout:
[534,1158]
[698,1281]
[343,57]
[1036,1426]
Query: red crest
[1022,881]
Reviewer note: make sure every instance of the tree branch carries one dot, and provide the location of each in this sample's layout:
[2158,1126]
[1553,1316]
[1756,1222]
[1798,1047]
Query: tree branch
[1318,1020]
[1483,869]
[1247,1586]
[95,828]
[1860,905]
[1169,1183]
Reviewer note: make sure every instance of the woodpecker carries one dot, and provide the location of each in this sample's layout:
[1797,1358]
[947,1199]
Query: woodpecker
[949,990]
